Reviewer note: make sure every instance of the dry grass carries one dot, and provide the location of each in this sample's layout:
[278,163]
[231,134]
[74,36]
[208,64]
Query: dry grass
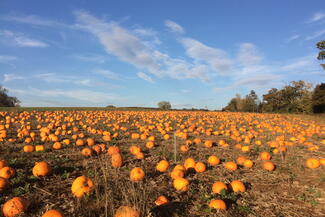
[291,190]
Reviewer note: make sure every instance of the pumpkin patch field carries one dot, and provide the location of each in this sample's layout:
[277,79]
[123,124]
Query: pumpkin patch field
[161,163]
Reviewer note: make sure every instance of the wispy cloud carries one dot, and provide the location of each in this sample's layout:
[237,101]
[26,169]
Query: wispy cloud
[318,16]
[145,77]
[7,59]
[316,35]
[292,38]
[299,63]
[90,58]
[56,78]
[11,77]
[107,73]
[174,27]
[21,40]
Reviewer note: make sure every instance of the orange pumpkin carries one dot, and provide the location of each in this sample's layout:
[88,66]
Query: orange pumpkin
[41,169]
[268,165]
[217,187]
[57,146]
[313,163]
[113,150]
[3,184]
[39,148]
[14,207]
[200,167]
[238,186]
[161,200]
[79,142]
[232,166]
[28,148]
[162,166]
[184,148]
[7,172]
[90,141]
[218,204]
[81,185]
[137,174]
[189,163]
[53,213]
[177,173]
[87,152]
[248,163]
[208,144]
[125,211]
[240,160]
[150,144]
[181,184]
[265,155]
[213,160]
[117,160]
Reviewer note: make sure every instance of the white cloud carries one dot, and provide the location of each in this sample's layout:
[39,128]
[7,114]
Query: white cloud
[315,35]
[56,78]
[299,63]
[21,40]
[90,58]
[316,17]
[248,54]
[292,38]
[129,48]
[107,73]
[82,95]
[11,77]
[174,27]
[145,77]
[7,59]
[217,58]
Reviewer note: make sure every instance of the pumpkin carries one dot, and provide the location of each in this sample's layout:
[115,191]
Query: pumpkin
[79,142]
[28,148]
[189,163]
[208,144]
[240,160]
[3,184]
[184,148]
[87,152]
[268,165]
[125,211]
[39,148]
[14,207]
[150,144]
[265,155]
[135,149]
[90,141]
[57,145]
[162,166]
[217,187]
[137,174]
[3,163]
[117,160]
[113,150]
[7,172]
[181,184]
[41,169]
[53,213]
[213,160]
[200,167]
[232,166]
[139,155]
[81,186]
[322,161]
[177,173]
[245,148]
[312,163]
[248,163]
[161,200]
[179,167]
[218,204]
[238,186]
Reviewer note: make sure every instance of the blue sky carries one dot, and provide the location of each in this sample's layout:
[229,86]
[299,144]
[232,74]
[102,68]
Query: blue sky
[137,53]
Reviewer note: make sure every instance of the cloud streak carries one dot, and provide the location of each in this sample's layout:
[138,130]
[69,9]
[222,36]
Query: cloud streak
[174,27]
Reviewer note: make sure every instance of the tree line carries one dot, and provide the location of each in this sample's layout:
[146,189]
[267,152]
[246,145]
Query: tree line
[296,97]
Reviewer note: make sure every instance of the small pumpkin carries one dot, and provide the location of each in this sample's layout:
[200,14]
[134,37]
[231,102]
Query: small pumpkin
[87,152]
[81,186]
[161,200]
[117,160]
[218,204]
[14,207]
[200,167]
[113,150]
[39,148]
[238,186]
[126,211]
[241,159]
[268,165]
[41,169]
[57,146]
[189,163]
[181,184]
[265,155]
[53,213]
[137,174]
[232,166]
[213,160]
[248,163]
[313,163]
[7,172]
[177,173]
[28,148]
[162,166]
[217,187]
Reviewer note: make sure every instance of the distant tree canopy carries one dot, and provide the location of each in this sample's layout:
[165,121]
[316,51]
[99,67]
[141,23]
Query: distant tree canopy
[7,101]
[164,105]
[321,46]
[295,97]
[318,98]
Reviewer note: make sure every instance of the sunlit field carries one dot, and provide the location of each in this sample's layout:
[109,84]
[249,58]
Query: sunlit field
[161,163]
